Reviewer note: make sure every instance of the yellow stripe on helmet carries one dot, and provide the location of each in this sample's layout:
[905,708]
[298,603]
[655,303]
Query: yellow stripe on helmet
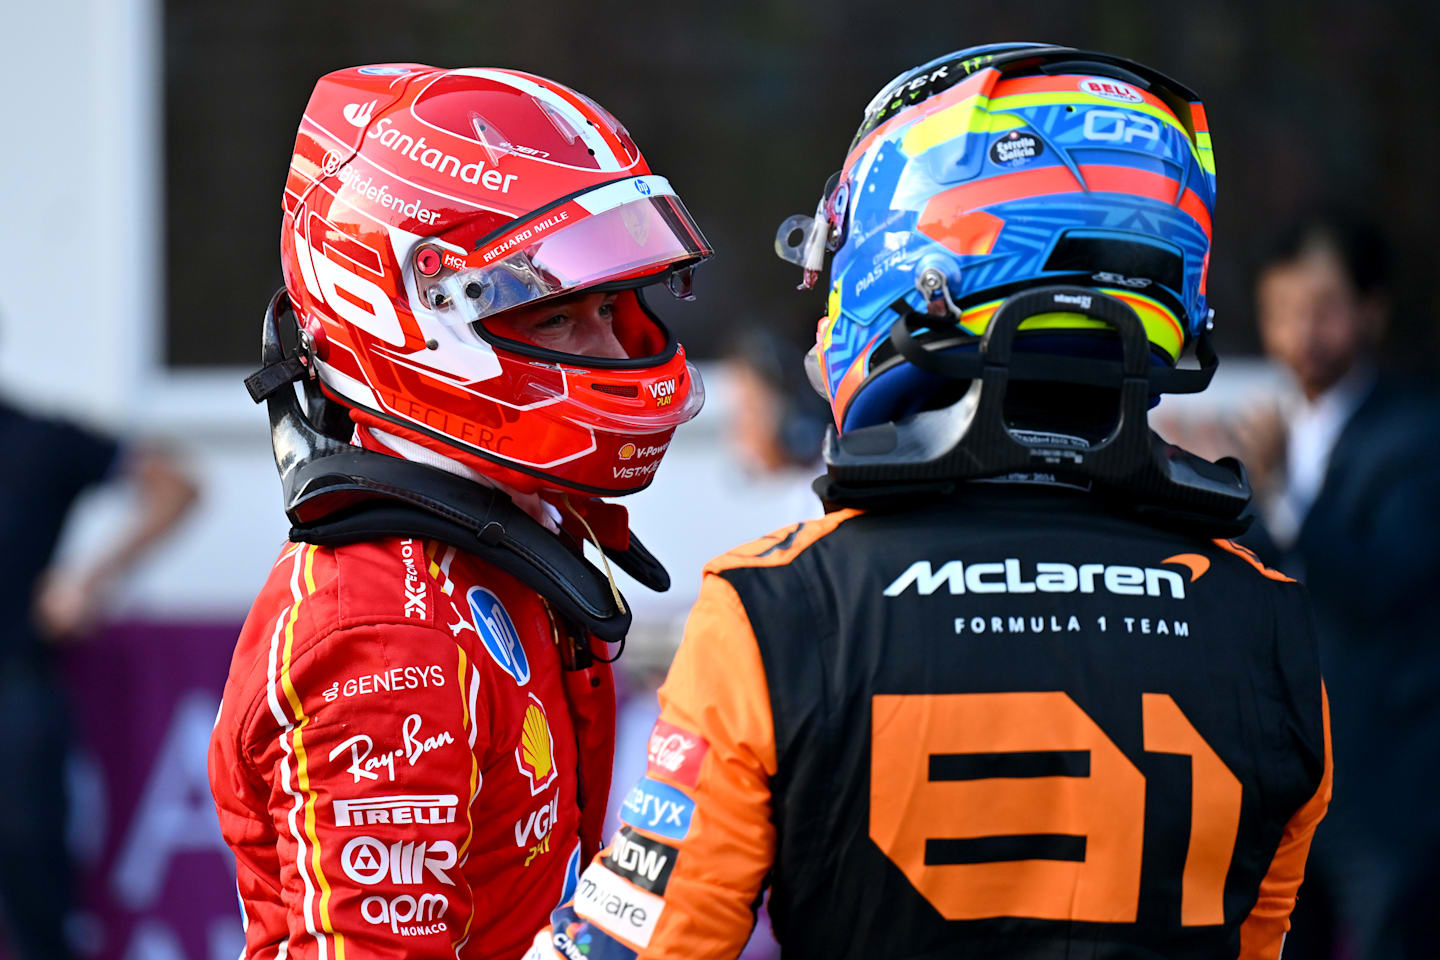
[1161,325]
[956,121]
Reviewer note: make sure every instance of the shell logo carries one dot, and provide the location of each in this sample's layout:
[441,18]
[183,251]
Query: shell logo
[627,451]
[535,756]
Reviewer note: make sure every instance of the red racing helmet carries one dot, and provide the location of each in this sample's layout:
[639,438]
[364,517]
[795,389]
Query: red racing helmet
[426,209]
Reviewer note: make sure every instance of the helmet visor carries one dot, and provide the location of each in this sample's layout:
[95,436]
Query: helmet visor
[603,326]
[622,233]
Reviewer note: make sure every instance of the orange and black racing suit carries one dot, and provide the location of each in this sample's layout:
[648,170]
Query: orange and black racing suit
[1007,726]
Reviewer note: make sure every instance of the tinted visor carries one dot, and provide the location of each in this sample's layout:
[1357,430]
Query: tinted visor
[629,232]
[594,324]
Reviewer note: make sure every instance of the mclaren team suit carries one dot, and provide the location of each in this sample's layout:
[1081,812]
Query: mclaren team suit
[401,764]
[1009,726]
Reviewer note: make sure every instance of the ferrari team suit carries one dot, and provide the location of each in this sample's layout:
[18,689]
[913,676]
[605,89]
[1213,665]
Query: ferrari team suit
[1005,725]
[402,764]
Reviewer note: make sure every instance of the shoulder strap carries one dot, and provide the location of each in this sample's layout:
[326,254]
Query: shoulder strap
[503,536]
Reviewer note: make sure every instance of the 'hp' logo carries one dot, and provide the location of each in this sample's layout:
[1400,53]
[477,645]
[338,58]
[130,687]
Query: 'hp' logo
[643,187]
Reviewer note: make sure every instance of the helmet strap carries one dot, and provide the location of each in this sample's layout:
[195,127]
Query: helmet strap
[936,450]
[609,574]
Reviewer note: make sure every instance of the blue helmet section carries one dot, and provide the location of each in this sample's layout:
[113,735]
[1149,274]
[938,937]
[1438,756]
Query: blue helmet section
[1083,172]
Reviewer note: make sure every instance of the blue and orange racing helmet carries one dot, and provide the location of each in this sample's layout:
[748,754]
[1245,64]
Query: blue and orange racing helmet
[996,169]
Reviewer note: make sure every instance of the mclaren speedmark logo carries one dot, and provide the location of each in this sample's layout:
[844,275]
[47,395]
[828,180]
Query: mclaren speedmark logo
[1012,576]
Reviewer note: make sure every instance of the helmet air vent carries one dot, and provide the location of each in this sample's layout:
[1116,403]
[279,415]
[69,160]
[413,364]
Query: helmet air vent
[1121,258]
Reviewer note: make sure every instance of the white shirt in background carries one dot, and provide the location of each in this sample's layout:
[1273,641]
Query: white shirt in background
[1311,434]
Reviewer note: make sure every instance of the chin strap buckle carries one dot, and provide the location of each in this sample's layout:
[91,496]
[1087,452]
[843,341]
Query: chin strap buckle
[273,377]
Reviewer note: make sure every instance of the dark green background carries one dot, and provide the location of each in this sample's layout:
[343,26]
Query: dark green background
[748,107]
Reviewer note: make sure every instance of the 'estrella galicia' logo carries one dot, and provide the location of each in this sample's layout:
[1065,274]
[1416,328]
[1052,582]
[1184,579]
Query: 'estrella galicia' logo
[1015,149]
[497,631]
[643,187]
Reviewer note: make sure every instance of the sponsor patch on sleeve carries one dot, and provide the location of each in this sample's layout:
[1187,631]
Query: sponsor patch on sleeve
[576,939]
[658,808]
[644,862]
[676,754]
[498,634]
[416,582]
[616,907]
[417,809]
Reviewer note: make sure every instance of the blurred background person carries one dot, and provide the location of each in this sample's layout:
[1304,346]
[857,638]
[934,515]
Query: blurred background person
[51,462]
[777,423]
[1322,298]
[1349,473]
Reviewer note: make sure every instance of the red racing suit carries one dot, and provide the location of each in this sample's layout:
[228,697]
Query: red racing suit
[400,764]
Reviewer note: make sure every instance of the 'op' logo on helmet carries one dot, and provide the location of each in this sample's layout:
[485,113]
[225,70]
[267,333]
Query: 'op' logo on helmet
[498,634]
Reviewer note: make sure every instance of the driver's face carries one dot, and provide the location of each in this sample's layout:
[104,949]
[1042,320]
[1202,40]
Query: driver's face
[581,324]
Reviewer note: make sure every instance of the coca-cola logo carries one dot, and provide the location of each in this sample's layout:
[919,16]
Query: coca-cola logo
[676,754]
[669,752]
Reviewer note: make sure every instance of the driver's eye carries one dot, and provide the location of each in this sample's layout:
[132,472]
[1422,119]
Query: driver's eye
[553,322]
